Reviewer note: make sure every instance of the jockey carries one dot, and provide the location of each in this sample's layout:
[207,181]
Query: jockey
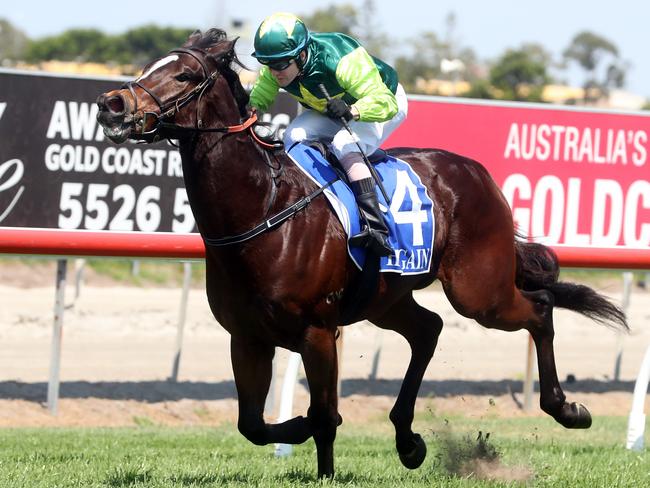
[365,92]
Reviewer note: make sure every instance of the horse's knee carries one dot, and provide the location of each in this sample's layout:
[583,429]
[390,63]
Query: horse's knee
[423,333]
[254,430]
[324,423]
[429,325]
[435,326]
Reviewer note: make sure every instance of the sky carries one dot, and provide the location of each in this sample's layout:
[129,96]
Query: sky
[488,27]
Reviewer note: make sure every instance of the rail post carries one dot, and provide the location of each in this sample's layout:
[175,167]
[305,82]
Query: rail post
[625,305]
[182,314]
[286,399]
[636,421]
[57,334]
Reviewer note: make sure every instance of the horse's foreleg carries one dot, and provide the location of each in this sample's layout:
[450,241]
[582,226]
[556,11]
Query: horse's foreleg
[320,361]
[552,398]
[252,367]
[421,328]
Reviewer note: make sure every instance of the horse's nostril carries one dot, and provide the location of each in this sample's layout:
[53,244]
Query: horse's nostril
[115,104]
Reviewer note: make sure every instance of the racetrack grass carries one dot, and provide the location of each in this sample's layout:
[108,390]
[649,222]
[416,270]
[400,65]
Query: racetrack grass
[518,452]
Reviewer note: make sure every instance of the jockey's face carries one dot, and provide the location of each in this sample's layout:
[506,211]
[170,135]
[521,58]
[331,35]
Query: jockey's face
[288,74]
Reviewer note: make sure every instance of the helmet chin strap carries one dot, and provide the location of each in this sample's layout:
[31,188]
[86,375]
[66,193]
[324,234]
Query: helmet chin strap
[300,63]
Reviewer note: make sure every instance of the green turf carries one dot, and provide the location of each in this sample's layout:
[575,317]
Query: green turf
[524,452]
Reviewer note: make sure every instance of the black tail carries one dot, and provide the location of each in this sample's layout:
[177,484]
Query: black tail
[538,268]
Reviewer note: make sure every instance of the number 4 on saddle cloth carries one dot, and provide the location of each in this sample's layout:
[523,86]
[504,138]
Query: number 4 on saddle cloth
[409,215]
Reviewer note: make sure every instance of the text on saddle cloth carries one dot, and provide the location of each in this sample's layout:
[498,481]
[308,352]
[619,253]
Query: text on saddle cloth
[409,216]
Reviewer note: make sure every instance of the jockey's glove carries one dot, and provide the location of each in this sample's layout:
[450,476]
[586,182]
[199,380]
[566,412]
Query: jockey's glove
[337,109]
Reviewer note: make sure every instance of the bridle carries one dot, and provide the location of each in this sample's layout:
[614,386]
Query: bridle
[169,108]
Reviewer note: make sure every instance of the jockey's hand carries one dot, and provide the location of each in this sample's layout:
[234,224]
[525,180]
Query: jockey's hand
[337,109]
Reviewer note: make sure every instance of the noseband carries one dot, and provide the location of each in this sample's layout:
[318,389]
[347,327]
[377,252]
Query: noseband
[168,109]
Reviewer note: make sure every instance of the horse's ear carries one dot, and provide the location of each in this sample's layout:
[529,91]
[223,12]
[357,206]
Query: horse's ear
[226,52]
[194,37]
[230,47]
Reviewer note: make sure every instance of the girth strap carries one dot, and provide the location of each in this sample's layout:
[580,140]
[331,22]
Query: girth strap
[270,223]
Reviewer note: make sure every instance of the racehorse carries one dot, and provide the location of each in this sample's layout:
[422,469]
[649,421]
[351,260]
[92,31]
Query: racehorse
[275,281]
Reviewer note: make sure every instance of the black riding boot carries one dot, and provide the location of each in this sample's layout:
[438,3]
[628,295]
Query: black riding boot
[374,235]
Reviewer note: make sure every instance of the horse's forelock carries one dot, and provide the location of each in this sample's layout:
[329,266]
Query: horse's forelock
[206,40]
[213,38]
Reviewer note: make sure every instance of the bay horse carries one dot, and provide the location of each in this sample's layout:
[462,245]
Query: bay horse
[284,286]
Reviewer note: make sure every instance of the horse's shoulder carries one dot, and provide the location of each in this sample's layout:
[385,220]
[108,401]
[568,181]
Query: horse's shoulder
[292,175]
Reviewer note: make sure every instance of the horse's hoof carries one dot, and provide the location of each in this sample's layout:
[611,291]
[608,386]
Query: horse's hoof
[575,416]
[415,458]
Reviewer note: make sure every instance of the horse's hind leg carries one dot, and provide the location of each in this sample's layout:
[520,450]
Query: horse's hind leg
[252,367]
[552,398]
[421,328]
[502,306]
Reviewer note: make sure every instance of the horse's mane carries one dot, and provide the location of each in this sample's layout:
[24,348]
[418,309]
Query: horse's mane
[211,38]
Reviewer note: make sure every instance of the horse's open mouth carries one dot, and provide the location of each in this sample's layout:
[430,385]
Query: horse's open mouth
[117,133]
[113,117]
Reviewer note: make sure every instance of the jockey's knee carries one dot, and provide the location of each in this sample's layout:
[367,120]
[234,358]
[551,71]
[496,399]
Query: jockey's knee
[344,144]
[293,135]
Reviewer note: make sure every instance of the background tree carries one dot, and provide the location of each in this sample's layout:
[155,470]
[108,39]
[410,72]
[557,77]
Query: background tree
[480,88]
[72,45]
[347,20]
[150,41]
[334,18]
[13,42]
[137,46]
[427,51]
[452,48]
[600,59]
[368,32]
[423,61]
[521,74]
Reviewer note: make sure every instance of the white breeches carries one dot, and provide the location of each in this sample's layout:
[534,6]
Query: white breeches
[313,126]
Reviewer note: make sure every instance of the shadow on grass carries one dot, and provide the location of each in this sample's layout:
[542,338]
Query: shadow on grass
[159,391]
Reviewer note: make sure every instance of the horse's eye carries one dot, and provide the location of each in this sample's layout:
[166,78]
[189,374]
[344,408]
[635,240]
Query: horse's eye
[183,77]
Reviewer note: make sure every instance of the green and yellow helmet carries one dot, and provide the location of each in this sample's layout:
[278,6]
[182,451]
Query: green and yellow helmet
[280,36]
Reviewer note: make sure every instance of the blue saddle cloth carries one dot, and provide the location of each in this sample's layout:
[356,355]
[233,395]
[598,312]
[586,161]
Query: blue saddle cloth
[409,215]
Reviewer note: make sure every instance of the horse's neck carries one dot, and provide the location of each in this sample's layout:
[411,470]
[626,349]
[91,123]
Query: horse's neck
[228,183]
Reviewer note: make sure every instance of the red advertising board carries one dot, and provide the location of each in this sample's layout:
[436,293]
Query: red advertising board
[573,177]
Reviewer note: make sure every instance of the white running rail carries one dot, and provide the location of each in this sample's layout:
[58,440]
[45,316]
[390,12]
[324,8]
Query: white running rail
[636,422]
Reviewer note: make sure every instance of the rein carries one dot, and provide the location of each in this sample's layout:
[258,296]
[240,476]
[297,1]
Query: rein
[270,223]
[170,108]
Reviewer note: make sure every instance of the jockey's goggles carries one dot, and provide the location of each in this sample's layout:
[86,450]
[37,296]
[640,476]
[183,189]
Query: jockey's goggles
[277,64]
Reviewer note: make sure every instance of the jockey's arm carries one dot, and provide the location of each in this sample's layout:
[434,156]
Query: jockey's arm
[264,90]
[358,75]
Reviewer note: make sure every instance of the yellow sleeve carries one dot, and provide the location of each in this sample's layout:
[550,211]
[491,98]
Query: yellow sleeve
[358,75]
[264,90]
